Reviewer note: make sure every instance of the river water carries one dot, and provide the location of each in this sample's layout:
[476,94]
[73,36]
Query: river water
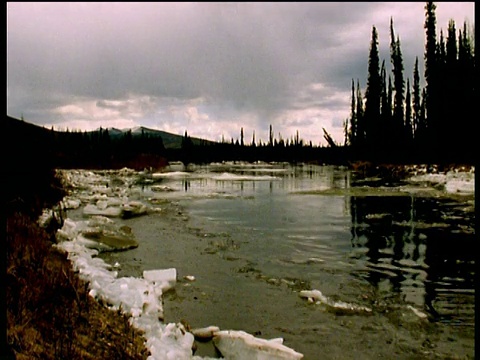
[255,235]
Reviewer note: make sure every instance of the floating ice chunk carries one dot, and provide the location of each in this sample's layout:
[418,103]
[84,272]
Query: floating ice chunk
[318,297]
[101,190]
[234,177]
[102,204]
[133,208]
[71,203]
[417,312]
[99,220]
[189,277]
[452,181]
[238,345]
[90,209]
[68,231]
[45,218]
[460,183]
[161,188]
[92,244]
[172,174]
[104,240]
[172,342]
[166,278]
[315,295]
[205,333]
[264,170]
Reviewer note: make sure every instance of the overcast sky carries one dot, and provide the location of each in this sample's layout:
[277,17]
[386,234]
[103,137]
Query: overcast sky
[208,68]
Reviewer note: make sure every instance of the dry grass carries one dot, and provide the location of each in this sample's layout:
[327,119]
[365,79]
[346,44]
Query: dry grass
[49,312]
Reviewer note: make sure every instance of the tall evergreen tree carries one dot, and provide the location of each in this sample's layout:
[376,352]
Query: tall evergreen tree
[442,107]
[416,99]
[360,133]
[385,109]
[451,56]
[372,94]
[452,93]
[346,140]
[422,128]
[270,136]
[466,87]
[390,124]
[399,85]
[353,118]
[408,117]
[431,74]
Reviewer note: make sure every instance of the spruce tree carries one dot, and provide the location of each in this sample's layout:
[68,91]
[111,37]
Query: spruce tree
[372,94]
[416,101]
[431,75]
[422,129]
[408,117]
[353,119]
[399,85]
[385,109]
[451,56]
[270,136]
[466,88]
[360,133]
[442,93]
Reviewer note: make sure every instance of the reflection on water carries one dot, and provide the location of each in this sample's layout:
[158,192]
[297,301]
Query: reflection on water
[357,240]
[421,248]
[418,249]
[414,245]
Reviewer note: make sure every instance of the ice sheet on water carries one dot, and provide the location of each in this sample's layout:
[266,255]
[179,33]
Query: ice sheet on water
[172,174]
[234,344]
[112,211]
[234,177]
[459,182]
[265,170]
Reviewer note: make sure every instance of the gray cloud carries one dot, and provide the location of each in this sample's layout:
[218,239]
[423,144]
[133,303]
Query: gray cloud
[243,60]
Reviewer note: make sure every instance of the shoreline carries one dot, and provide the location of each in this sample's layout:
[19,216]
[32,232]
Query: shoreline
[49,312]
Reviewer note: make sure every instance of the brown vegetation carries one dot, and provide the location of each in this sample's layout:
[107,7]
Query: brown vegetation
[49,312]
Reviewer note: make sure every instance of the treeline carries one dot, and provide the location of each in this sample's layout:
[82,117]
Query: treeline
[276,149]
[100,149]
[30,145]
[398,120]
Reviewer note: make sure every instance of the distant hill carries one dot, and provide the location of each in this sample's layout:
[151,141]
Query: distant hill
[170,141]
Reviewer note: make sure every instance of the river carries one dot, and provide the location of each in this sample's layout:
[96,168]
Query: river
[246,239]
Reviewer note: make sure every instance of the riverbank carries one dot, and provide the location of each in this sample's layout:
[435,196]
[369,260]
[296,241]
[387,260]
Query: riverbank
[49,312]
